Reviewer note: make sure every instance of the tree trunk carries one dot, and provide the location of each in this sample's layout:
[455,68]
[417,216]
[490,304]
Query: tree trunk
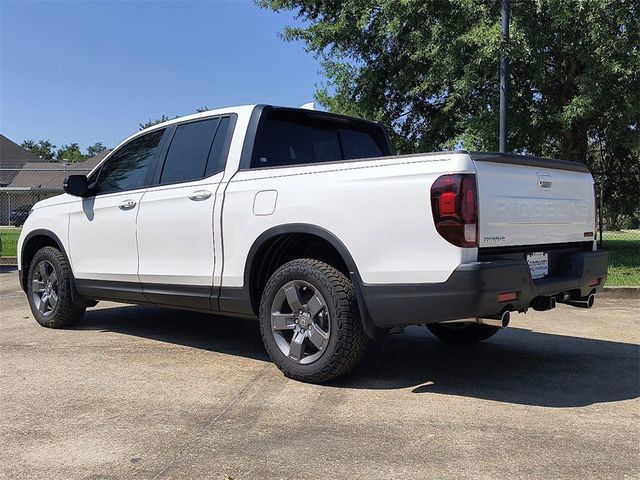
[575,144]
[574,139]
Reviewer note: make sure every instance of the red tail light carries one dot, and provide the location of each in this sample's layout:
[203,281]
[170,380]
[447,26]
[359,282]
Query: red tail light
[454,203]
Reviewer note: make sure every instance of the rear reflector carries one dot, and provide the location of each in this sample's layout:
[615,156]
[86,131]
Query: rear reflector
[470,233]
[507,297]
[594,281]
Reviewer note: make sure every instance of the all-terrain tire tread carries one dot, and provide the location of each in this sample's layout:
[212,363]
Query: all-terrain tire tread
[67,313]
[351,338]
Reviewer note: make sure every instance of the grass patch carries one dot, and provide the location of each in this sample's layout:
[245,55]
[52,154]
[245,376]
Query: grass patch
[624,257]
[9,240]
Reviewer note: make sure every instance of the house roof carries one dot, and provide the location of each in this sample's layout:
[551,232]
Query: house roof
[91,163]
[50,175]
[13,156]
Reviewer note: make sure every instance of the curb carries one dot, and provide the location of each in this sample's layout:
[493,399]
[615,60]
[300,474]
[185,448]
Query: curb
[620,292]
[10,261]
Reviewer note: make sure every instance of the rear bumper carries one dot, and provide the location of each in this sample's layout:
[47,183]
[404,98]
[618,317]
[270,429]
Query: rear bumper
[472,290]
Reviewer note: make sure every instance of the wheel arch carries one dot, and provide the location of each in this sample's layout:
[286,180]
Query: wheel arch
[279,244]
[34,241]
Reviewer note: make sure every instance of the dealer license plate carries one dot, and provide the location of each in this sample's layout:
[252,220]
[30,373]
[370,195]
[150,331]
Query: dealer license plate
[538,264]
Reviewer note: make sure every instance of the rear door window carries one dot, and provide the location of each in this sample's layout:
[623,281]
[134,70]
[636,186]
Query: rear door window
[217,157]
[189,150]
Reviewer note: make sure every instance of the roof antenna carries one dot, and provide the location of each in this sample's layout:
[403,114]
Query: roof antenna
[308,106]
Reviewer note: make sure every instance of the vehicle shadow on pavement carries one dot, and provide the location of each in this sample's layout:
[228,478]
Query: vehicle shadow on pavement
[516,366]
[227,335]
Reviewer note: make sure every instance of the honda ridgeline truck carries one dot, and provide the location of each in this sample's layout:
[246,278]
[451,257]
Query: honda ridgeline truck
[309,222]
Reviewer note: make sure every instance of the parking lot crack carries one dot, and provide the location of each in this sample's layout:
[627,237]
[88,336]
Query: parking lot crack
[189,447]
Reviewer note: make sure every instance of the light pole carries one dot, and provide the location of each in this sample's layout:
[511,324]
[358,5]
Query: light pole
[504,78]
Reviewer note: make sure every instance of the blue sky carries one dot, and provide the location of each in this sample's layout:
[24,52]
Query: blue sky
[92,71]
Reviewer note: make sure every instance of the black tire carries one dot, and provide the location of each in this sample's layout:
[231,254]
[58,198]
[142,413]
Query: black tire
[462,333]
[64,313]
[345,341]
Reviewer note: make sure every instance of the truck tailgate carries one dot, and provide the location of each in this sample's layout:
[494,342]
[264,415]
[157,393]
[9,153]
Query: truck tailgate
[533,201]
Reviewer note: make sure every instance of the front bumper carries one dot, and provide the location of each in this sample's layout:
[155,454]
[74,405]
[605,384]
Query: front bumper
[472,290]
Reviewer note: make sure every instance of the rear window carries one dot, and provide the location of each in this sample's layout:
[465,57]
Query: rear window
[292,137]
[357,144]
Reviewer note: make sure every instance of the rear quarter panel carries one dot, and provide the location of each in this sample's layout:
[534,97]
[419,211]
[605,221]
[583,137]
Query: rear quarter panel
[380,210]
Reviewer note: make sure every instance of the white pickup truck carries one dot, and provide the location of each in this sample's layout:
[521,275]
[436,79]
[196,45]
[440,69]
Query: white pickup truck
[309,222]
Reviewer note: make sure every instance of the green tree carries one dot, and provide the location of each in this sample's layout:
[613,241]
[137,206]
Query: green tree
[151,123]
[43,149]
[429,71]
[95,149]
[70,153]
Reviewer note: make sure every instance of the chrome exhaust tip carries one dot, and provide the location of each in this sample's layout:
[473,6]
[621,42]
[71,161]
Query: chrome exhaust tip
[501,320]
[583,302]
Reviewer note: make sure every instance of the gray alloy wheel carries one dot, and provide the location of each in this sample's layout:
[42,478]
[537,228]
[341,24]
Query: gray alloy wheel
[49,283]
[310,322]
[300,322]
[44,288]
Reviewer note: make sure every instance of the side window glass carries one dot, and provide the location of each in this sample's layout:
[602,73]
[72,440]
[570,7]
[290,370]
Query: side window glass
[216,162]
[189,150]
[288,143]
[290,137]
[94,176]
[357,144]
[128,168]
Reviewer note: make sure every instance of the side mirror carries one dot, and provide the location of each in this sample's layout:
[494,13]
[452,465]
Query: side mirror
[76,185]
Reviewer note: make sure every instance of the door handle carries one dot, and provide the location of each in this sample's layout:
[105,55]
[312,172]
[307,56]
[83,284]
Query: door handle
[127,205]
[200,195]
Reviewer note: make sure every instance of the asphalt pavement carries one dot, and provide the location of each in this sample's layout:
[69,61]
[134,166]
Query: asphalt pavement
[143,392]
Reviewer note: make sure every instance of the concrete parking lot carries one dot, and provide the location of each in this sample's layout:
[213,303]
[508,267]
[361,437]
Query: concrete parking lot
[142,392]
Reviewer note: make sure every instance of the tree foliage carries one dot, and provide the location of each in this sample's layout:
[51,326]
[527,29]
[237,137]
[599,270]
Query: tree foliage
[47,151]
[70,153]
[43,149]
[164,118]
[95,149]
[429,71]
[152,122]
